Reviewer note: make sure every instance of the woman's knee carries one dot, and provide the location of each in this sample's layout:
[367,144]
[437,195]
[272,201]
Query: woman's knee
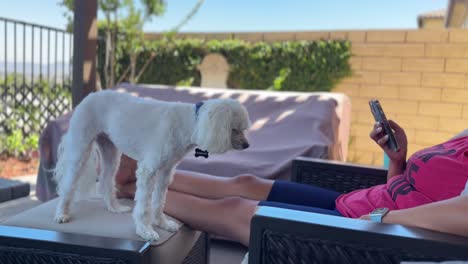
[245,180]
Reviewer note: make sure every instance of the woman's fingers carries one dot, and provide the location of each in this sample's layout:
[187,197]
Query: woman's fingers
[397,128]
[381,141]
[374,134]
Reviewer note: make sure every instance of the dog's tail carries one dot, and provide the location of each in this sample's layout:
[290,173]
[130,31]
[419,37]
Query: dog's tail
[85,184]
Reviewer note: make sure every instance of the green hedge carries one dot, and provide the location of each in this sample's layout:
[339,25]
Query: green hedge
[291,65]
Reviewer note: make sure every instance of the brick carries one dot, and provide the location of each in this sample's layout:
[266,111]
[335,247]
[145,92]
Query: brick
[423,65]
[456,65]
[356,63]
[417,121]
[428,137]
[425,36]
[458,35]
[449,80]
[339,35]
[440,109]
[365,143]
[400,78]
[420,93]
[447,50]
[279,36]
[366,50]
[154,36]
[354,117]
[452,125]
[386,36]
[398,107]
[455,95]
[362,157]
[251,37]
[388,50]
[381,64]
[363,77]
[357,36]
[360,104]
[465,111]
[379,91]
[317,35]
[364,116]
[361,130]
[410,134]
[404,50]
[412,148]
[347,88]
[218,36]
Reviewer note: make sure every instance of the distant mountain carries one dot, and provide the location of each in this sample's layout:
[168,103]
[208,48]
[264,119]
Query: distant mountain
[10,68]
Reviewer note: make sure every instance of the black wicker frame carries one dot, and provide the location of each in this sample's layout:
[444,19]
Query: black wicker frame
[32,246]
[288,236]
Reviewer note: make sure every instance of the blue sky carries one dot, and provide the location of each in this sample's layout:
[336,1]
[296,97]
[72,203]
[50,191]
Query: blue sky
[229,16]
[256,15]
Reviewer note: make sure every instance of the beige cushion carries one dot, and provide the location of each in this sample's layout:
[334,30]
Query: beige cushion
[91,217]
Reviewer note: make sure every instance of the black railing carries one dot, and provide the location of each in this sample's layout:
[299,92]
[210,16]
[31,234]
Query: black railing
[35,80]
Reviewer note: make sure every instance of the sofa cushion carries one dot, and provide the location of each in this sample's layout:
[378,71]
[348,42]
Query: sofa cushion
[285,125]
[90,217]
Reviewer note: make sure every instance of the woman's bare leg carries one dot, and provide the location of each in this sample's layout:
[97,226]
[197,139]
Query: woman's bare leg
[203,185]
[229,217]
[212,187]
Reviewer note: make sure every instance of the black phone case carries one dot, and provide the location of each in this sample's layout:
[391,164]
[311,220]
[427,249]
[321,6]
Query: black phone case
[379,116]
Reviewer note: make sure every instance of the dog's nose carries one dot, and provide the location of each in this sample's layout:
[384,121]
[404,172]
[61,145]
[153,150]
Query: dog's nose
[245,145]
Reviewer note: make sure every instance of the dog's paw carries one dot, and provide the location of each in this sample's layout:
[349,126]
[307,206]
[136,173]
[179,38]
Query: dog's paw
[147,233]
[119,209]
[168,224]
[62,218]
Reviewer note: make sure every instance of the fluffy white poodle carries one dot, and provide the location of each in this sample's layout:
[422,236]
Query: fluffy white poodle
[156,134]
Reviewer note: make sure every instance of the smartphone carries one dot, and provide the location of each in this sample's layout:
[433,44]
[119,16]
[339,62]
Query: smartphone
[379,116]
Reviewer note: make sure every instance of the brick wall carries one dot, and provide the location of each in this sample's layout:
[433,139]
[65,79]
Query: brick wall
[420,77]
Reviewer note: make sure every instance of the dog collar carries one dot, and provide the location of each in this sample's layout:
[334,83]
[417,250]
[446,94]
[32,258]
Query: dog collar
[197,108]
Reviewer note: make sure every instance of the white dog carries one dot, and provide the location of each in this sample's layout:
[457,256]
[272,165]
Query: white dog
[156,134]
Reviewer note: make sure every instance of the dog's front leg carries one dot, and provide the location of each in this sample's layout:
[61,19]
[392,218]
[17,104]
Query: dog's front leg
[163,179]
[142,211]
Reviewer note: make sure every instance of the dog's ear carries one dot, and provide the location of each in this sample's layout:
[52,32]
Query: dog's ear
[213,128]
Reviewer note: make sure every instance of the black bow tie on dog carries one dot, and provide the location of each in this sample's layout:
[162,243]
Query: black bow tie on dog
[199,152]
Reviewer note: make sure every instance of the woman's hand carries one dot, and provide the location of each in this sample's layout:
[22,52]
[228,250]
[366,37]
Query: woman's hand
[377,134]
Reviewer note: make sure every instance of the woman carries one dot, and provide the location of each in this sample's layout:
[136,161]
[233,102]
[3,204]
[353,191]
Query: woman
[420,192]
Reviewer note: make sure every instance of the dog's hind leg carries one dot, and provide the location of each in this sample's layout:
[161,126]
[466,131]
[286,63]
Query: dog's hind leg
[76,159]
[110,164]
[142,211]
[163,179]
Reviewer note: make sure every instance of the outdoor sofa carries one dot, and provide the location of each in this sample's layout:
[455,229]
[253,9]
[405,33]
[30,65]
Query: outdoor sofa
[285,125]
[289,236]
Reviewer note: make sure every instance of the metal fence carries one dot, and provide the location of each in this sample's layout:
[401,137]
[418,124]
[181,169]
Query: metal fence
[35,75]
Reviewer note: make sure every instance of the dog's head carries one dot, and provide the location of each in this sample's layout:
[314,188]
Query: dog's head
[221,126]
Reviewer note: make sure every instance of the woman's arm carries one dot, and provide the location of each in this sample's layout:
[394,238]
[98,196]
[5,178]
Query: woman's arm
[448,216]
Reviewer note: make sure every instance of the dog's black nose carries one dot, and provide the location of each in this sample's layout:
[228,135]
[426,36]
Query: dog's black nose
[245,145]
